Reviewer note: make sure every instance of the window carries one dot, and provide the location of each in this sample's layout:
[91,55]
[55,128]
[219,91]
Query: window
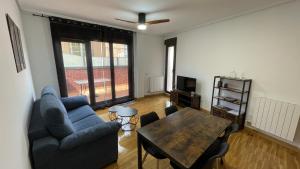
[93,60]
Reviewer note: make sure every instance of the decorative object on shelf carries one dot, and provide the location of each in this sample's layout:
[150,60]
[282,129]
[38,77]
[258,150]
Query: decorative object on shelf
[233,74]
[231,102]
[243,75]
[220,83]
[192,94]
[16,44]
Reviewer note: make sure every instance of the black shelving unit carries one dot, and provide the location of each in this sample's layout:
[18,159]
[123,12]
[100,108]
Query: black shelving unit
[230,101]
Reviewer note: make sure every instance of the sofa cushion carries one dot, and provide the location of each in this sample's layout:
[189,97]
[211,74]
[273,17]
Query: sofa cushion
[37,128]
[87,122]
[49,90]
[55,116]
[80,113]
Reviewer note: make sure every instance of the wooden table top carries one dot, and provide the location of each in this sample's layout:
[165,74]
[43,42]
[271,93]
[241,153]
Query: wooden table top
[184,135]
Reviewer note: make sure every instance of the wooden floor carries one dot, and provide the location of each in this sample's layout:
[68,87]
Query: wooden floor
[248,150]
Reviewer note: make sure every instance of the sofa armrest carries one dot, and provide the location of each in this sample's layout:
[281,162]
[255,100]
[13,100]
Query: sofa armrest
[43,149]
[74,102]
[89,135]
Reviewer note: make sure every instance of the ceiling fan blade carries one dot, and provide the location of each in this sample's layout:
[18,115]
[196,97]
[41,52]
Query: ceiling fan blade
[125,20]
[158,21]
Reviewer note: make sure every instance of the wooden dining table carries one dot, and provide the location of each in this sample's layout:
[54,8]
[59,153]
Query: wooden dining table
[182,136]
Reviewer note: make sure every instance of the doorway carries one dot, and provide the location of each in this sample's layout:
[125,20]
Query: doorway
[170,64]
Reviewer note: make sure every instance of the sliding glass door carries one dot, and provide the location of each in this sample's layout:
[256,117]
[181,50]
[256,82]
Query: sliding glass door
[95,80]
[93,60]
[75,68]
[121,70]
[101,71]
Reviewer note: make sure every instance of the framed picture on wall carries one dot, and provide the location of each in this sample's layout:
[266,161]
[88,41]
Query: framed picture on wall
[16,44]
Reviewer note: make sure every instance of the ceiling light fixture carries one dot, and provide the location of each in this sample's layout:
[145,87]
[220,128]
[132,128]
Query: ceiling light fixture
[142,26]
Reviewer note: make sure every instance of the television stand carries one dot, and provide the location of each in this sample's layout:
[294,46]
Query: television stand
[185,99]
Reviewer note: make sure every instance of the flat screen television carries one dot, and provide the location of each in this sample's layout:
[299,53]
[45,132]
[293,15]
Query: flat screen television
[186,84]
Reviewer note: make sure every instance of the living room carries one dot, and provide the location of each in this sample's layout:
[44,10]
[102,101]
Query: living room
[212,74]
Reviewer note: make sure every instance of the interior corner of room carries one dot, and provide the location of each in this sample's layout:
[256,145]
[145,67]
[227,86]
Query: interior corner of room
[240,64]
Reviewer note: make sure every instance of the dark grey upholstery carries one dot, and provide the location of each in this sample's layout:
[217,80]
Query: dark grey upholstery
[147,119]
[206,161]
[55,116]
[70,138]
[233,128]
[49,90]
[170,110]
[74,102]
[80,113]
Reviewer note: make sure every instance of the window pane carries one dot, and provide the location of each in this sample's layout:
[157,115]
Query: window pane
[101,70]
[74,58]
[121,69]
[170,68]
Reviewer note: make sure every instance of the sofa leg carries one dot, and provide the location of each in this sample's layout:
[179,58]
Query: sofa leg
[157,163]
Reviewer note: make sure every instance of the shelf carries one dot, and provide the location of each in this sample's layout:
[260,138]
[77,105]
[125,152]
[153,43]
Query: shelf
[236,102]
[231,78]
[231,89]
[184,100]
[227,110]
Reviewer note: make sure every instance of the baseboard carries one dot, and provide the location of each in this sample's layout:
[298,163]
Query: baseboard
[267,136]
[154,93]
[204,110]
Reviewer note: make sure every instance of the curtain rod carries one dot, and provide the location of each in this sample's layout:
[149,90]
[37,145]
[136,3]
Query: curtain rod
[78,23]
[41,15]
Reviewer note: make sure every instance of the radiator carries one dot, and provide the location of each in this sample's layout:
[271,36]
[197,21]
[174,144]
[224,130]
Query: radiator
[156,84]
[276,117]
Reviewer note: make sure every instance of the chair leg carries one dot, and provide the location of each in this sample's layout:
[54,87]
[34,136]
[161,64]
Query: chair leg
[145,156]
[157,164]
[222,161]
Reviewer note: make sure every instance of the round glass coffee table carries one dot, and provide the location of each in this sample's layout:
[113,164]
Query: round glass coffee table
[127,116]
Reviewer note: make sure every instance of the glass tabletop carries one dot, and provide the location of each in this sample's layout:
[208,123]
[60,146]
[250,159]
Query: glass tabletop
[123,111]
[127,112]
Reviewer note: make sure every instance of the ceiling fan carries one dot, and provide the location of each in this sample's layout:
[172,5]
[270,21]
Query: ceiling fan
[142,23]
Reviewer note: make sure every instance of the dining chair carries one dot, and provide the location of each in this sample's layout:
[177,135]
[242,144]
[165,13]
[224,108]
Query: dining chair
[170,110]
[147,119]
[233,128]
[207,160]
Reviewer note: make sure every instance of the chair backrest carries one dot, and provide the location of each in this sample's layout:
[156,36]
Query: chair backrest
[170,110]
[148,118]
[219,152]
[229,130]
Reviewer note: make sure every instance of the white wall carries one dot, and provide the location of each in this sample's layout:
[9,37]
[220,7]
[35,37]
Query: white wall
[265,46]
[39,43]
[17,96]
[148,59]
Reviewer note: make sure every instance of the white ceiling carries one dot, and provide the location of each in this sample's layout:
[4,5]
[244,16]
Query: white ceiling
[184,14]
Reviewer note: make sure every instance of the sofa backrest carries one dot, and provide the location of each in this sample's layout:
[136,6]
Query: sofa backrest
[55,116]
[37,128]
[49,90]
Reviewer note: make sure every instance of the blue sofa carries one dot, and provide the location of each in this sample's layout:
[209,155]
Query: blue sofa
[65,133]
